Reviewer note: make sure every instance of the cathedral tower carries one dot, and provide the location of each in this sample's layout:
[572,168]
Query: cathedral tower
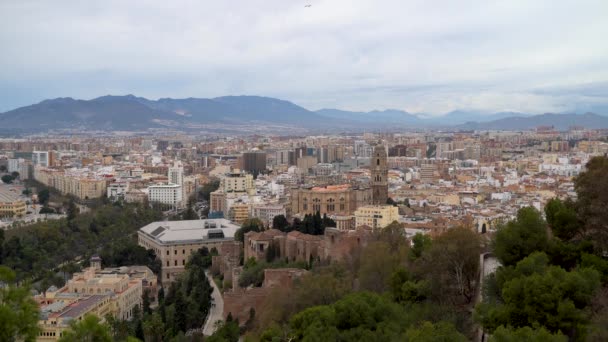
[379,170]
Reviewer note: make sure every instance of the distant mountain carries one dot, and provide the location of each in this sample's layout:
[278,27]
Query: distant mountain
[558,121]
[457,117]
[137,113]
[132,113]
[107,112]
[376,117]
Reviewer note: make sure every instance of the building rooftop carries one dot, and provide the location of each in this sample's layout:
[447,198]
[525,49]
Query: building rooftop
[8,196]
[168,232]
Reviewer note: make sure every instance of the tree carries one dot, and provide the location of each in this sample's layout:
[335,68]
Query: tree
[421,242]
[429,332]
[208,188]
[90,329]
[3,168]
[451,264]
[18,310]
[26,192]
[7,179]
[537,294]
[378,264]
[521,237]
[43,196]
[562,218]
[47,210]
[250,225]
[154,329]
[15,174]
[280,222]
[592,189]
[526,334]
[72,210]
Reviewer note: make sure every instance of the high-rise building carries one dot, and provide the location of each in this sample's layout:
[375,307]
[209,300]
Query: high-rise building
[41,158]
[254,162]
[379,173]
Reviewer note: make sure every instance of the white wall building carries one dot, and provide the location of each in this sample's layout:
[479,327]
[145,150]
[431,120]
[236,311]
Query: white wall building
[170,194]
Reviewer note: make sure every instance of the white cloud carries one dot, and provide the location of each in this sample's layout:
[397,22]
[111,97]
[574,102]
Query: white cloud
[423,56]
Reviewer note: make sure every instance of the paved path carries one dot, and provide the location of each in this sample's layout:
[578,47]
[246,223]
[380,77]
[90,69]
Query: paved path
[215,312]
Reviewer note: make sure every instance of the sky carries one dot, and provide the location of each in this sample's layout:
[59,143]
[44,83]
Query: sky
[422,56]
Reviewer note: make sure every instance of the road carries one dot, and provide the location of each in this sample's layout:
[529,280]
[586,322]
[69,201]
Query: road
[215,312]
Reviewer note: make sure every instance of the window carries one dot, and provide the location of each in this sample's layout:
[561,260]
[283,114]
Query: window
[175,252]
[183,251]
[175,262]
[167,263]
[167,252]
[377,161]
[183,262]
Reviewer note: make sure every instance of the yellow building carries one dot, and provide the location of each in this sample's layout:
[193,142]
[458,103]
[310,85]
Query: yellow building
[81,185]
[97,291]
[376,216]
[239,212]
[11,205]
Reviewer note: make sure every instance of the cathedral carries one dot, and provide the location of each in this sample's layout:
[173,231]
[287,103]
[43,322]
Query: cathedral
[379,174]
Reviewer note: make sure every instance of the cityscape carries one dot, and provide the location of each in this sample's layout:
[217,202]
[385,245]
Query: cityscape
[377,194]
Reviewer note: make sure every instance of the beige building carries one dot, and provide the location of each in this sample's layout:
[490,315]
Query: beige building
[93,281]
[330,200]
[10,204]
[81,185]
[96,291]
[376,216]
[175,241]
[239,212]
[237,181]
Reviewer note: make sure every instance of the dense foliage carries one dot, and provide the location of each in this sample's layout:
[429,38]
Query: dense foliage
[110,230]
[381,293]
[18,311]
[362,316]
[553,282]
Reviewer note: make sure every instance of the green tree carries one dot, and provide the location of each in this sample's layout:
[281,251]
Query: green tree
[421,242]
[7,179]
[537,294]
[72,210]
[154,329]
[429,332]
[562,218]
[250,225]
[90,329]
[15,174]
[43,196]
[526,334]
[592,189]
[280,222]
[208,188]
[521,237]
[18,311]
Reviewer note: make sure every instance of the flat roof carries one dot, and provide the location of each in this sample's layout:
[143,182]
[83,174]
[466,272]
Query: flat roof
[173,232]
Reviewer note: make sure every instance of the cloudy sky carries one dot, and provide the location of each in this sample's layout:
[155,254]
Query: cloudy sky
[421,56]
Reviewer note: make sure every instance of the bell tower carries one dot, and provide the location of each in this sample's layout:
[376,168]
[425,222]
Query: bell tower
[379,173]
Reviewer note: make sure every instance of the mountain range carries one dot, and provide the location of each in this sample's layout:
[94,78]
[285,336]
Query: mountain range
[137,113]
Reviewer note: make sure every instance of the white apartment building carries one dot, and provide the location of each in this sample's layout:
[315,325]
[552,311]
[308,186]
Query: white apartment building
[41,158]
[170,194]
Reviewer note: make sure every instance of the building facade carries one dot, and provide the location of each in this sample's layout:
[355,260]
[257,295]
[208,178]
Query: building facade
[175,241]
[330,200]
[379,174]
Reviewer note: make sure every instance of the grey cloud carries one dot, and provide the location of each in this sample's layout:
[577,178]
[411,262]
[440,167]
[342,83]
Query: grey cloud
[421,56]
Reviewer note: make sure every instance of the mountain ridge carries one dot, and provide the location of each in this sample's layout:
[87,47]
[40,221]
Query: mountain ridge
[130,112]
